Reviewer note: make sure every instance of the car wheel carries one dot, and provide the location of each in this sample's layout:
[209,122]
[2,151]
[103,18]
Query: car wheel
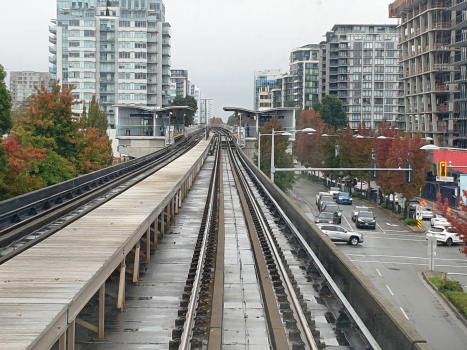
[353,240]
[448,242]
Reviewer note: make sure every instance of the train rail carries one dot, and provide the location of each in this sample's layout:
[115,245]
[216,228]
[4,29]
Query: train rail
[34,217]
[303,307]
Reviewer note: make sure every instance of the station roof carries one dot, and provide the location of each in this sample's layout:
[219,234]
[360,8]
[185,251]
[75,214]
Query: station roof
[265,111]
[164,110]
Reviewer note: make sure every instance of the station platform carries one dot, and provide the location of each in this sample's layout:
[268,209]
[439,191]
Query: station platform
[43,289]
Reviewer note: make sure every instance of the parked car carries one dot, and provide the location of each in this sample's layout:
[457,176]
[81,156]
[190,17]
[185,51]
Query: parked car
[357,209]
[333,208]
[445,235]
[339,234]
[325,200]
[365,219]
[413,204]
[439,220]
[344,198]
[427,213]
[334,191]
[318,196]
[327,218]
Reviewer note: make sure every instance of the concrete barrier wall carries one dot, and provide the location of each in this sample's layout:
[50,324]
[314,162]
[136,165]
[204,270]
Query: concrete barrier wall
[387,325]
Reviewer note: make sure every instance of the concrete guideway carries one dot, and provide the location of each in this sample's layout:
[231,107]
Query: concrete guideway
[391,258]
[43,290]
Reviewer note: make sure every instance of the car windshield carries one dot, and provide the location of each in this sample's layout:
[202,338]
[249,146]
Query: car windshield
[334,188]
[346,194]
[436,229]
[326,216]
[364,214]
[332,208]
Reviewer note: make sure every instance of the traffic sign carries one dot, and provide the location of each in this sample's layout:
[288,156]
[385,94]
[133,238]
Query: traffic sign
[445,179]
[418,212]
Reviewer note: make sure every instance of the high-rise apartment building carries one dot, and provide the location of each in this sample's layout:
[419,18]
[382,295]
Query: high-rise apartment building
[359,64]
[428,67]
[195,91]
[205,110]
[459,26]
[116,50]
[179,77]
[264,81]
[24,84]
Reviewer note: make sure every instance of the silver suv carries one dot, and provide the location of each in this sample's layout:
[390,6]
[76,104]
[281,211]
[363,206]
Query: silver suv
[337,233]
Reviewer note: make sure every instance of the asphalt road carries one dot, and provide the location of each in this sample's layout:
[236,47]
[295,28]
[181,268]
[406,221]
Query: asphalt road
[392,257]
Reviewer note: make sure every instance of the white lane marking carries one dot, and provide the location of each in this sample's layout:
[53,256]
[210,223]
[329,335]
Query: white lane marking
[389,289]
[407,317]
[380,228]
[404,257]
[406,263]
[379,273]
[389,224]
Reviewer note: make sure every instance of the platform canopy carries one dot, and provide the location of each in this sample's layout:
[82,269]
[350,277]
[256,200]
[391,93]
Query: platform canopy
[251,113]
[165,111]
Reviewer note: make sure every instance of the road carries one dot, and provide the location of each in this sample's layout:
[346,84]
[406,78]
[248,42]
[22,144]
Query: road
[393,257]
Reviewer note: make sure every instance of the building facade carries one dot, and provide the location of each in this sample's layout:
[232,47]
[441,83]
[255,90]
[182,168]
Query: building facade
[429,67]
[359,64]
[264,82]
[116,50]
[195,91]
[179,77]
[205,110]
[24,84]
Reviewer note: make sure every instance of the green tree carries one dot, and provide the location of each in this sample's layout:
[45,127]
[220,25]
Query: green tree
[332,112]
[179,115]
[282,159]
[96,118]
[233,120]
[5,105]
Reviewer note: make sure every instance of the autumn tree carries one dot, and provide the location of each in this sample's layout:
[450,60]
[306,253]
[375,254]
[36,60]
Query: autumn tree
[282,159]
[5,105]
[96,118]
[306,146]
[457,219]
[94,150]
[19,168]
[217,121]
[332,112]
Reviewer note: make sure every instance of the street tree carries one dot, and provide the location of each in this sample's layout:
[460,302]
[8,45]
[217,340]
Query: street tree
[457,218]
[332,112]
[282,158]
[185,116]
[5,105]
[96,118]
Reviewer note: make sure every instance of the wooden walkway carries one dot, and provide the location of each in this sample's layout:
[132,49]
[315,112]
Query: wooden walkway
[43,289]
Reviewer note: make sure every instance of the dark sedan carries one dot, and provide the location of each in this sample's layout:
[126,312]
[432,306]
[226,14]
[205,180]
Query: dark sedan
[365,219]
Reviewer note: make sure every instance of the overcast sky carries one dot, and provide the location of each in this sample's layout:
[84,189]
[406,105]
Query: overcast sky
[220,42]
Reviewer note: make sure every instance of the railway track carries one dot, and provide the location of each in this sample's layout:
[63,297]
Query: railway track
[27,220]
[302,306]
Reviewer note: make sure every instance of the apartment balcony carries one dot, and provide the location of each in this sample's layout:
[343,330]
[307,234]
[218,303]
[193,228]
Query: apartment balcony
[166,42]
[166,62]
[442,25]
[53,49]
[166,32]
[458,5]
[152,50]
[460,40]
[53,28]
[107,39]
[442,108]
[152,30]
[106,60]
[152,92]
[104,28]
[53,59]
[53,70]
[53,39]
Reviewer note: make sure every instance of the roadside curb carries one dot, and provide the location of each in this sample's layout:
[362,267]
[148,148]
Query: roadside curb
[441,295]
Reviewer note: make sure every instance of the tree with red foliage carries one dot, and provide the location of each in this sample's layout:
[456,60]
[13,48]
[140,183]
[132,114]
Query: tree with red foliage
[306,146]
[457,219]
[18,169]
[94,150]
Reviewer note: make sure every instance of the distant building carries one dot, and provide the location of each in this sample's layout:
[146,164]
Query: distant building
[195,91]
[264,81]
[359,64]
[116,50]
[24,84]
[205,110]
[179,77]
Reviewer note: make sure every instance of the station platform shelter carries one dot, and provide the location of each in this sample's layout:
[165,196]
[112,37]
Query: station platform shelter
[142,130]
[251,122]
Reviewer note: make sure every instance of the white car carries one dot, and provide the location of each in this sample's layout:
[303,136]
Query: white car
[334,191]
[318,196]
[427,213]
[337,233]
[361,185]
[439,220]
[445,235]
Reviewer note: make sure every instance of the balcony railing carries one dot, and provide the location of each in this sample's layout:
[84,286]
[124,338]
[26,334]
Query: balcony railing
[53,49]
[53,29]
